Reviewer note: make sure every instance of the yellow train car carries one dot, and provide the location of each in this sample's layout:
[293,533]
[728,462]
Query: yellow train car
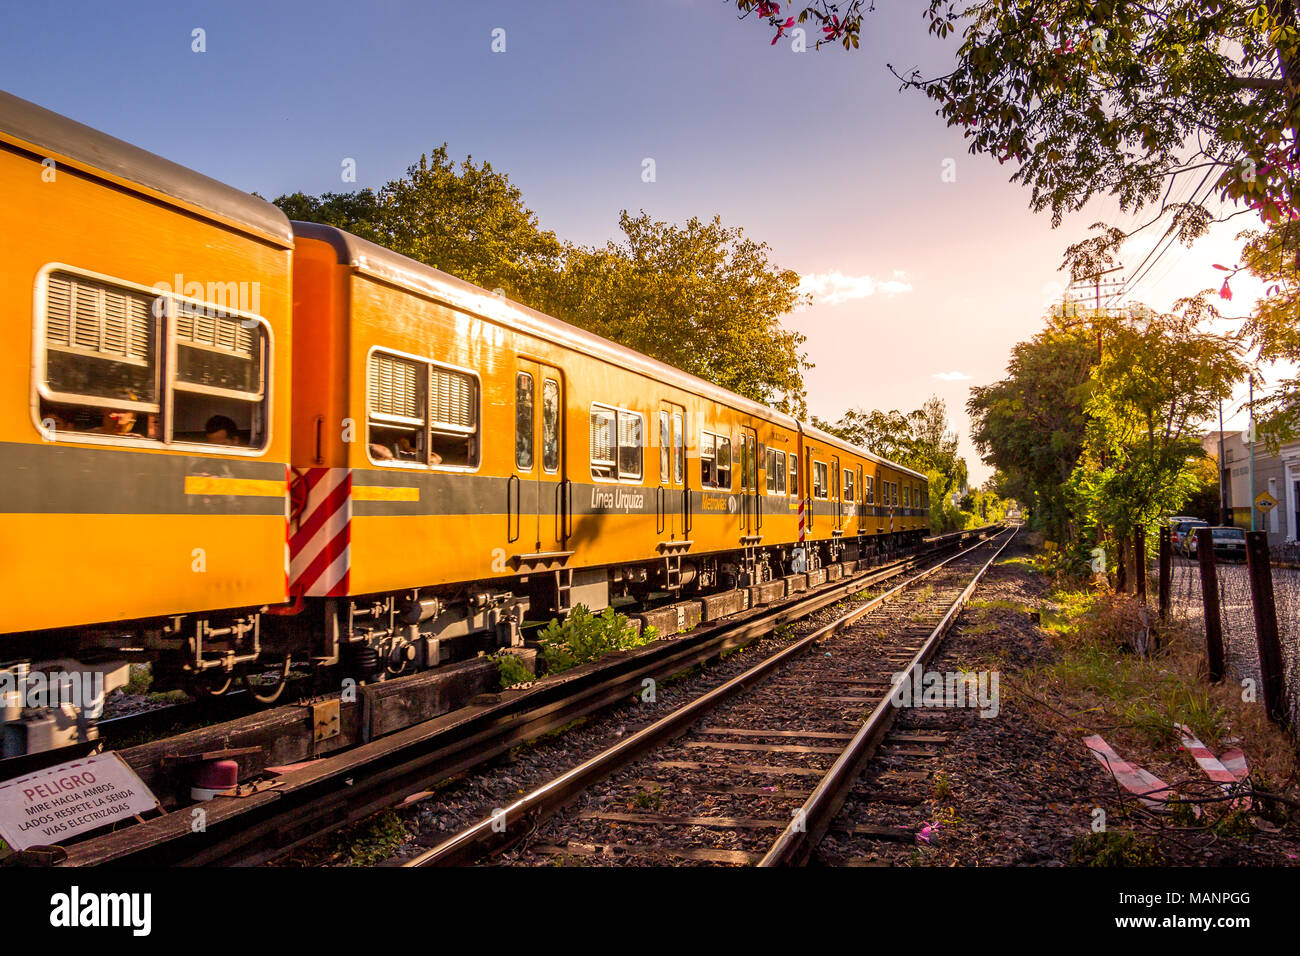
[462,461]
[143,304]
[237,442]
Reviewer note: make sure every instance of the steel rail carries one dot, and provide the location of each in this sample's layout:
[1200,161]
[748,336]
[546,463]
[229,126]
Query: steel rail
[347,786]
[504,826]
[805,831]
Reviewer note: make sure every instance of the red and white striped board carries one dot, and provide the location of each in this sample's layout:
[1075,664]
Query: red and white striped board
[321,535]
[1216,769]
[1235,762]
[1153,791]
[801,521]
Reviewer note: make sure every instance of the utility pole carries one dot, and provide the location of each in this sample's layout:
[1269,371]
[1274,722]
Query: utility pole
[1251,433]
[1224,478]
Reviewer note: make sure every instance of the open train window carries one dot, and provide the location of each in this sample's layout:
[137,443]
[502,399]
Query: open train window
[106,371]
[869,490]
[420,413]
[715,461]
[775,472]
[848,485]
[820,482]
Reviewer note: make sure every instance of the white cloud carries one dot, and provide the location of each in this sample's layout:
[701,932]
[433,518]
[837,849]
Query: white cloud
[950,376]
[835,287]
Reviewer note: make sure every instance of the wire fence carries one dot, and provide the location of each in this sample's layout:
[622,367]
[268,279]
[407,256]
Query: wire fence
[1237,616]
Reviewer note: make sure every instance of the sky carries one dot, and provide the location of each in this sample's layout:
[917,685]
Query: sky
[921,285]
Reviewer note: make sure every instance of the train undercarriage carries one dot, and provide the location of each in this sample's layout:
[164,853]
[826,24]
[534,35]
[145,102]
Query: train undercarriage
[54,684]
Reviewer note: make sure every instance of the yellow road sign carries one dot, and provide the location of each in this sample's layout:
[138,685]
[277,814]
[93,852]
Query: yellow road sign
[1265,502]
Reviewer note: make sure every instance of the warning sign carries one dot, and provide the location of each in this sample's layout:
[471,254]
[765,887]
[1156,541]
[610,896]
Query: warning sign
[1265,502]
[60,802]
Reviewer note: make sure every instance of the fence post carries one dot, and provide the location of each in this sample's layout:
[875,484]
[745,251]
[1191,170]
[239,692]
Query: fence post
[1140,562]
[1121,567]
[1270,649]
[1210,601]
[1166,571]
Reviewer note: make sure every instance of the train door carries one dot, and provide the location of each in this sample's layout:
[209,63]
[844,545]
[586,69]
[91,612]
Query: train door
[538,504]
[835,493]
[670,504]
[860,495]
[749,514]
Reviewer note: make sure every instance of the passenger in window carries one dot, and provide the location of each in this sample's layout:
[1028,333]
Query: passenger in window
[115,422]
[221,430]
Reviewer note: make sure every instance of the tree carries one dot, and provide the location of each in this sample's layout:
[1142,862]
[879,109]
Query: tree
[1031,425]
[702,296]
[1105,97]
[1158,379]
[920,440]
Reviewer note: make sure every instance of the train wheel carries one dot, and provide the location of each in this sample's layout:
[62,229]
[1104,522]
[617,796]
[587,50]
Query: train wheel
[265,686]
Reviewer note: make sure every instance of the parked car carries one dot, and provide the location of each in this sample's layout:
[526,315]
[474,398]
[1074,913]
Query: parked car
[1229,543]
[1181,528]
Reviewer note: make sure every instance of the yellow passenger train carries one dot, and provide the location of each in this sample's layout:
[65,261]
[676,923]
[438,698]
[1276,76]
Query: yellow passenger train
[237,442]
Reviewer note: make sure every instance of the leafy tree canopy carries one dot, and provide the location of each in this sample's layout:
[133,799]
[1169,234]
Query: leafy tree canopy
[701,296]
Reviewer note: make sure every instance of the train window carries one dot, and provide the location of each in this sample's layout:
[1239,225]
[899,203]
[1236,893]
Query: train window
[775,472]
[665,447]
[219,387]
[396,408]
[869,489]
[679,449]
[551,426]
[848,485]
[894,493]
[524,421]
[821,488]
[631,438]
[453,418]
[906,493]
[794,475]
[617,437]
[715,461]
[101,358]
[604,443]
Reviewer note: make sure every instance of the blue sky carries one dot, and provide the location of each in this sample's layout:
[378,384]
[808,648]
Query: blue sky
[818,153]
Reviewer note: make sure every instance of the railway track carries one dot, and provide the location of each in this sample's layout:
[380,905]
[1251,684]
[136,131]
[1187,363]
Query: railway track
[755,770]
[289,805]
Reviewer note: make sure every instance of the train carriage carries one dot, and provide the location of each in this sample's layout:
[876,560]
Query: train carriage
[464,462]
[142,302]
[237,442]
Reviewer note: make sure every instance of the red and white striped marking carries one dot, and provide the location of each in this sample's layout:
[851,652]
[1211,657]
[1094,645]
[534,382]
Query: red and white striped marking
[1153,791]
[1235,763]
[1216,769]
[801,521]
[319,545]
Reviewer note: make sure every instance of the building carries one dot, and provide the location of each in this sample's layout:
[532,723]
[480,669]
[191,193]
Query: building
[1279,475]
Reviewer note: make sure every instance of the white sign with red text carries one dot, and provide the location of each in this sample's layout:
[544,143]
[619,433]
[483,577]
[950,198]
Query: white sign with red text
[57,803]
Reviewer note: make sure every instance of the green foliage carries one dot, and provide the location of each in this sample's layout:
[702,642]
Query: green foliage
[583,636]
[1159,378]
[701,296]
[1115,848]
[1030,426]
[920,440]
[511,670]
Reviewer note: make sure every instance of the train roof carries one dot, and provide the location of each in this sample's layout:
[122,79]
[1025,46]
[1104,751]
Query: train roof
[51,135]
[381,263]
